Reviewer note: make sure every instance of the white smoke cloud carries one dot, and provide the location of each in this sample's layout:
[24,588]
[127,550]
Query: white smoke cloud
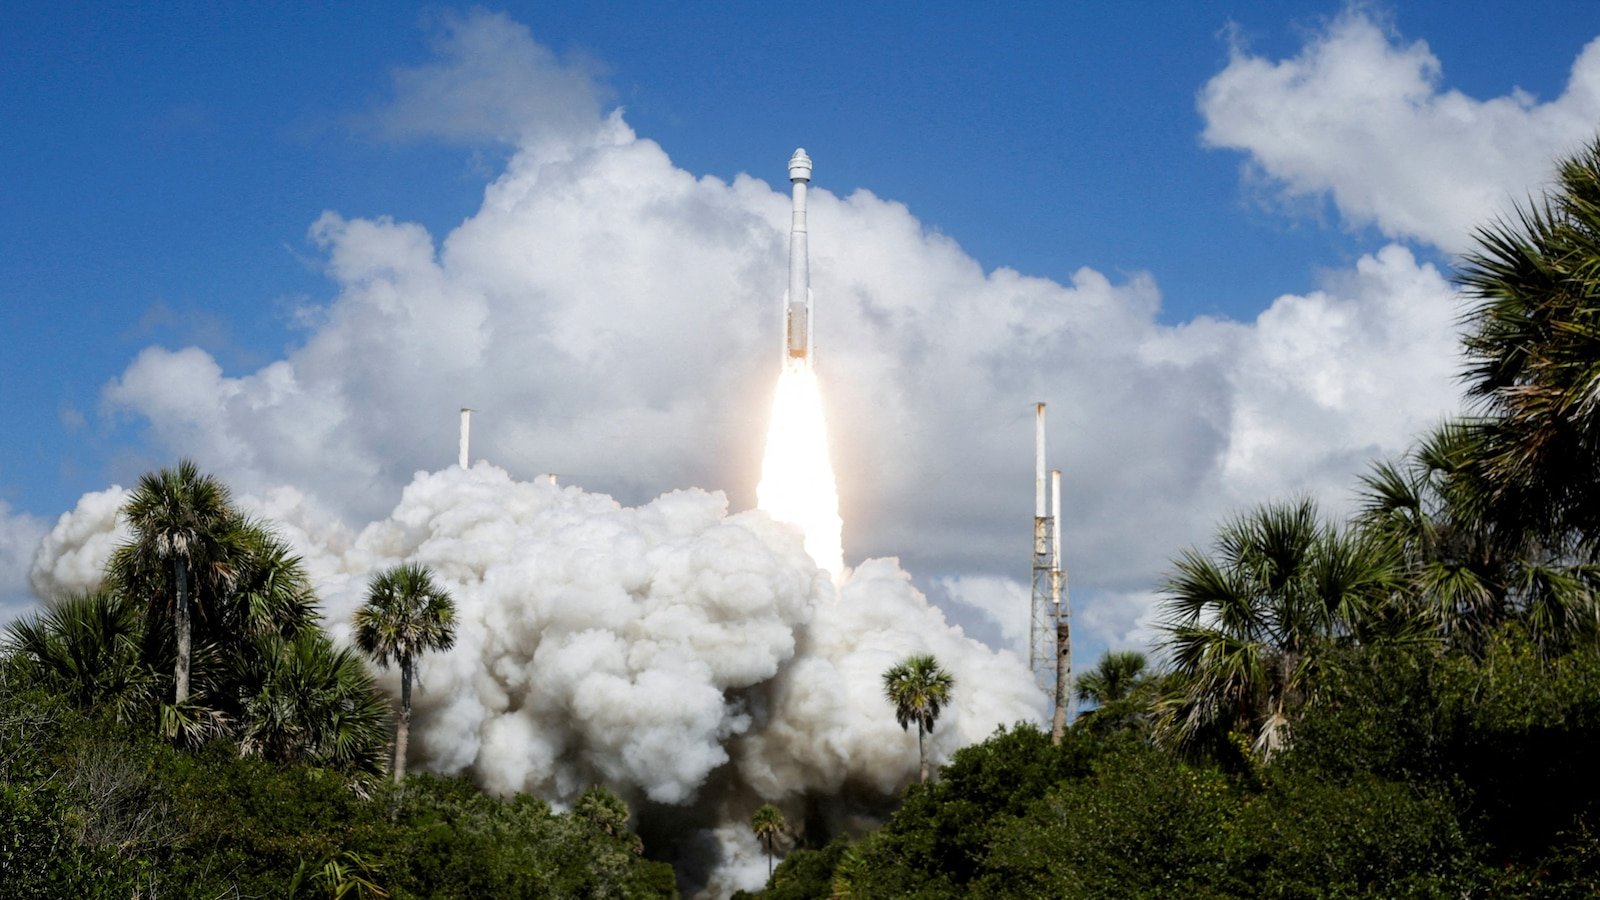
[20,534]
[72,557]
[698,662]
[1365,119]
[586,370]
[649,646]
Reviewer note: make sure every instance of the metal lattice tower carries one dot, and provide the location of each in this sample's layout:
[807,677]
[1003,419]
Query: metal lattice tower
[1050,625]
[1062,694]
[1042,630]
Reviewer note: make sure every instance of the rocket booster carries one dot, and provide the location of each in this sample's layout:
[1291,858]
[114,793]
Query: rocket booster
[797,302]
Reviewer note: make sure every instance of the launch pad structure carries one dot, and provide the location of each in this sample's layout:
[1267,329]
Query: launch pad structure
[1050,613]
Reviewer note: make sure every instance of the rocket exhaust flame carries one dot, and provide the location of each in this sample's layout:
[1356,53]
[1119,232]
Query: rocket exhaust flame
[797,483]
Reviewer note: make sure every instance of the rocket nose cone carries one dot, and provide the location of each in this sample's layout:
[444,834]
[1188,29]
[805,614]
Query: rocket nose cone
[800,166]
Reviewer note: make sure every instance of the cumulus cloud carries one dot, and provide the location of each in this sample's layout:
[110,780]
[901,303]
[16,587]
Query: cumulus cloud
[491,82]
[1126,621]
[556,324]
[998,599]
[1364,118]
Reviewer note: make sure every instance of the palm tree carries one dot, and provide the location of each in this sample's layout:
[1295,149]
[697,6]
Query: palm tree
[246,585]
[264,592]
[86,648]
[178,517]
[1499,513]
[346,873]
[1468,568]
[1249,627]
[847,873]
[271,592]
[253,660]
[768,824]
[1119,686]
[602,818]
[405,615]
[919,689]
[302,699]
[1533,346]
[1113,678]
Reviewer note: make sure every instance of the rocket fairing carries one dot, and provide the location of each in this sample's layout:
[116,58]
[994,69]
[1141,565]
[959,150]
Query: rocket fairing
[797,302]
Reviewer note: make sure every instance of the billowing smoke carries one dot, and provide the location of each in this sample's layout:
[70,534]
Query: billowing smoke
[72,557]
[696,661]
[20,534]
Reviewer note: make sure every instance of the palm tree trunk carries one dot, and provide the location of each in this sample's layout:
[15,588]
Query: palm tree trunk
[922,755]
[180,670]
[402,729]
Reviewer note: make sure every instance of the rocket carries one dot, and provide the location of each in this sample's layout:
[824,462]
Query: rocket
[797,302]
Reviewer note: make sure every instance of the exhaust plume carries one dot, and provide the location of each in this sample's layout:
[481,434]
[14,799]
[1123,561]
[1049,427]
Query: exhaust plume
[697,662]
[797,484]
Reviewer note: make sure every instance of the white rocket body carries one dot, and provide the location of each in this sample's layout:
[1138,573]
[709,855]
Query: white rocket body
[797,302]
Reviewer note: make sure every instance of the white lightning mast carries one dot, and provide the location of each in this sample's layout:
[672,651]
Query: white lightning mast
[466,433]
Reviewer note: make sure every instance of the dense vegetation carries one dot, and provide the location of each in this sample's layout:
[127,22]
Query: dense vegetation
[1415,774]
[89,808]
[1404,704]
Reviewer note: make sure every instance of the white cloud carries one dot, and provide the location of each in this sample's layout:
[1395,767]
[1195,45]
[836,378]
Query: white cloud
[1123,621]
[1364,118]
[639,357]
[491,82]
[1003,601]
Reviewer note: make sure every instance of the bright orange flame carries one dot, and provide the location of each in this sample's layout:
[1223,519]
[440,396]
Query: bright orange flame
[796,477]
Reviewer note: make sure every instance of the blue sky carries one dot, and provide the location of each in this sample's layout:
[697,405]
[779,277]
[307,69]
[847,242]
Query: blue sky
[162,167]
